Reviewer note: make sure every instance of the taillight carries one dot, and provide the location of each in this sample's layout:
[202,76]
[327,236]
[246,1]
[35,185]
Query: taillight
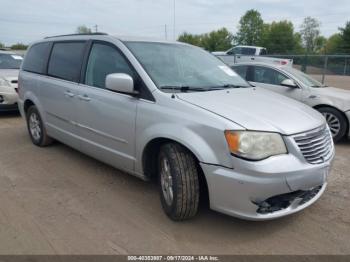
[283,62]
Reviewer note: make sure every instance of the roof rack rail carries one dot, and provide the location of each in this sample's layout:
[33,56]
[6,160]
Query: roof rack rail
[98,33]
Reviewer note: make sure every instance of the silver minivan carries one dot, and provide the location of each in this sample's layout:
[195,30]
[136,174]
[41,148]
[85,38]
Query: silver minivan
[174,113]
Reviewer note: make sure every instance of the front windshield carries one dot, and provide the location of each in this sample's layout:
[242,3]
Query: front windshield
[304,78]
[178,65]
[9,61]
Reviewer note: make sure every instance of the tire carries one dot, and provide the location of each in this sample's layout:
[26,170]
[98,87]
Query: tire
[336,122]
[178,163]
[36,128]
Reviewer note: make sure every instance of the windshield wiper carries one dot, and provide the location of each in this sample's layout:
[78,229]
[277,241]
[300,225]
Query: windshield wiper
[183,88]
[317,86]
[229,86]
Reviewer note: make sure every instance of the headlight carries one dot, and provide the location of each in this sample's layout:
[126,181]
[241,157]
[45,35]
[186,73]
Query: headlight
[255,145]
[4,82]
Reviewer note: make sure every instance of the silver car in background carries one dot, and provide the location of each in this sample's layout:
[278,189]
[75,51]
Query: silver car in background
[333,103]
[174,113]
[9,69]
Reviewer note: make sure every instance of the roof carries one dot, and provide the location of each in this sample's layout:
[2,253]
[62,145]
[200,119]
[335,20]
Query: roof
[251,46]
[103,36]
[98,33]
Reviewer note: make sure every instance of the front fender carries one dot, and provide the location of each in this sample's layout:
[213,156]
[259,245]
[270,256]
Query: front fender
[215,152]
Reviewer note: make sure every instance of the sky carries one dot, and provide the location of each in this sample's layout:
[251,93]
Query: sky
[29,20]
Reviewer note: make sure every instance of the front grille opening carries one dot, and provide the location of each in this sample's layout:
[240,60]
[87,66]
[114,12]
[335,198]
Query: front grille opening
[316,145]
[283,201]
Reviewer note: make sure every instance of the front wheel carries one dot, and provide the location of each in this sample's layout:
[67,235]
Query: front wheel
[178,182]
[336,121]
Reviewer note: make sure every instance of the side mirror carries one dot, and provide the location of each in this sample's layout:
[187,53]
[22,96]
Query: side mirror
[289,83]
[120,83]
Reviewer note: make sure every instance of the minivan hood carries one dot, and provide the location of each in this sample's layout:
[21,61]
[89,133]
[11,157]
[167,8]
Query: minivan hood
[257,109]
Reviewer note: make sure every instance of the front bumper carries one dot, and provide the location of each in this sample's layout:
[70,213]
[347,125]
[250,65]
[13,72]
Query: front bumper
[8,98]
[271,188]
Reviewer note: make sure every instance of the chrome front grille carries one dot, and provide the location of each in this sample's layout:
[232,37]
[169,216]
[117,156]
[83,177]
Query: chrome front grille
[315,145]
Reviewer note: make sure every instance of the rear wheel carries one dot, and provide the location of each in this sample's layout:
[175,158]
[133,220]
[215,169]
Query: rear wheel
[178,182]
[336,121]
[36,128]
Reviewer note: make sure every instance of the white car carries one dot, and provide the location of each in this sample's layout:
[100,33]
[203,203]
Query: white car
[244,53]
[9,69]
[333,103]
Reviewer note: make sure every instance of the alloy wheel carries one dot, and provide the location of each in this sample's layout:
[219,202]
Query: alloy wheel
[166,181]
[333,123]
[34,126]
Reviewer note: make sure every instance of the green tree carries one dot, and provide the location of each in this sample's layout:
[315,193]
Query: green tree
[345,36]
[320,44]
[298,44]
[83,29]
[190,39]
[310,31]
[279,38]
[2,45]
[219,40]
[250,29]
[19,46]
[334,44]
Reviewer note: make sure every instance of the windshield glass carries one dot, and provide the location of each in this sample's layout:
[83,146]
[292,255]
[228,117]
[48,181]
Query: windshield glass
[304,78]
[186,67]
[10,61]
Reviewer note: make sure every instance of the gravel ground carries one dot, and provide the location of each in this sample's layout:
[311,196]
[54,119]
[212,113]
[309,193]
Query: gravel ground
[56,200]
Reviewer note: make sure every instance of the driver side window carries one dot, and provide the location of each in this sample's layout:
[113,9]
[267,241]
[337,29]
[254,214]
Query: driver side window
[268,76]
[105,60]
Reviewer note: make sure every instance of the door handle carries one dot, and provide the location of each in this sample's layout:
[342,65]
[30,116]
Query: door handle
[69,94]
[84,97]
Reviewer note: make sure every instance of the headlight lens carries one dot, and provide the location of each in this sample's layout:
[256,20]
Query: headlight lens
[4,82]
[255,145]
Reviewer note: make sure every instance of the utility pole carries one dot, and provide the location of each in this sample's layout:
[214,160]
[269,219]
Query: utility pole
[174,21]
[166,32]
[96,28]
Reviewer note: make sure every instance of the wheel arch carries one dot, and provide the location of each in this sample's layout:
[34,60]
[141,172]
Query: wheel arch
[27,103]
[149,163]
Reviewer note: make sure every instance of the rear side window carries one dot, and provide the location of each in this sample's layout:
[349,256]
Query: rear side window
[268,76]
[66,59]
[36,57]
[241,70]
[248,51]
[263,51]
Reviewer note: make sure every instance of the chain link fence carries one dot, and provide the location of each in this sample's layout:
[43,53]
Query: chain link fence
[321,64]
